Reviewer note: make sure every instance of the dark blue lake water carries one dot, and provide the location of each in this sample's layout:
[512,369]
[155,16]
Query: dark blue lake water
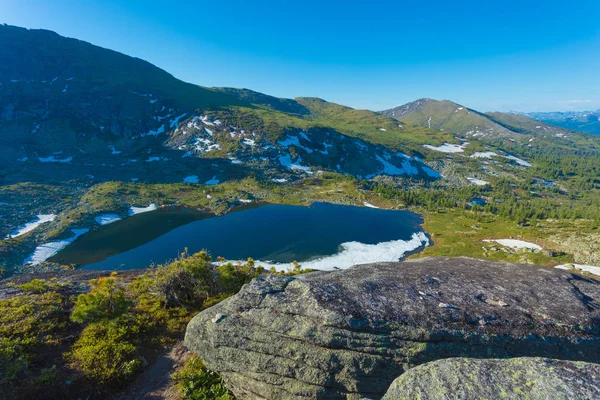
[322,236]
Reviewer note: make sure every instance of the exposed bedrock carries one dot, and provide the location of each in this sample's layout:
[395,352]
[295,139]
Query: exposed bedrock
[514,378]
[349,334]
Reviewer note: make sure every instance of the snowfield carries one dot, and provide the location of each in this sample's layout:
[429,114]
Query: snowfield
[515,244]
[484,154]
[478,182]
[47,250]
[369,205]
[519,161]
[354,253]
[139,210]
[106,219]
[448,148]
[286,161]
[31,225]
[580,267]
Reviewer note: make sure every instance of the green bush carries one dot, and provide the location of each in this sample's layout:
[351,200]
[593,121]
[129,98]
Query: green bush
[39,285]
[195,382]
[104,301]
[185,281]
[105,352]
[28,324]
[231,278]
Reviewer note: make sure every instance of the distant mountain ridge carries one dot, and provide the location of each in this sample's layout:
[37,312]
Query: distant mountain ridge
[583,121]
[449,116]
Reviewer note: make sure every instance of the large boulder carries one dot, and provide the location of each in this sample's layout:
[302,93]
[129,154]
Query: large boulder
[515,378]
[349,334]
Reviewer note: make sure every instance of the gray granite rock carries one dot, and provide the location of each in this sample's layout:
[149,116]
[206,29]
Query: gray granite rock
[349,334]
[514,378]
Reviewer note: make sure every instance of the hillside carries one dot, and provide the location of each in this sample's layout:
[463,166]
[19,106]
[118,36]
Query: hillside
[449,116]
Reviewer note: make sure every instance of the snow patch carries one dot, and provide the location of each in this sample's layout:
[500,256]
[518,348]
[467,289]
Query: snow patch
[51,159]
[448,148]
[354,253]
[478,182]
[212,181]
[519,161]
[286,161]
[175,122]
[113,150]
[31,225]
[139,210]
[106,219]
[191,179]
[484,154]
[160,130]
[47,250]
[580,268]
[369,205]
[516,244]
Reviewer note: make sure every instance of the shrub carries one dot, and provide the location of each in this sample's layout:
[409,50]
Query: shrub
[105,352]
[186,281]
[232,277]
[28,323]
[39,286]
[104,301]
[195,382]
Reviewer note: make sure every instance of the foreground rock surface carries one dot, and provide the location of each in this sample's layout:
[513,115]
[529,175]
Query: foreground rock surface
[515,378]
[349,334]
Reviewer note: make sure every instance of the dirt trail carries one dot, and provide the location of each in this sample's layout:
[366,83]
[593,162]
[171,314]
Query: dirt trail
[154,382]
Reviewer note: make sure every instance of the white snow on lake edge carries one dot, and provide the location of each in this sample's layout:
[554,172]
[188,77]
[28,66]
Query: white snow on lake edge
[580,267]
[139,210]
[31,225]
[47,250]
[516,244]
[354,253]
[105,219]
[369,205]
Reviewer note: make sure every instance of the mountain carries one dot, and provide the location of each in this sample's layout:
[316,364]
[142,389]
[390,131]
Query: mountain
[69,109]
[449,116]
[583,121]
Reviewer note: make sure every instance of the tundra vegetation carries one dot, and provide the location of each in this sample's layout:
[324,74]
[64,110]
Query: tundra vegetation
[96,342]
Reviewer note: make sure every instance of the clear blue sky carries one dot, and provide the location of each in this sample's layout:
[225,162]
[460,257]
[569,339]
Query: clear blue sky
[528,55]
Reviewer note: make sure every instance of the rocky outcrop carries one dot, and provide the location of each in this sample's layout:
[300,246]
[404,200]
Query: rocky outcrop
[349,334]
[515,378]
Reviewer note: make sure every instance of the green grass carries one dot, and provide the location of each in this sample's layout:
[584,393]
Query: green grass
[459,233]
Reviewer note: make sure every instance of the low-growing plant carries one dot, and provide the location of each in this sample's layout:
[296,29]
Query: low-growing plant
[105,352]
[195,382]
[39,285]
[105,301]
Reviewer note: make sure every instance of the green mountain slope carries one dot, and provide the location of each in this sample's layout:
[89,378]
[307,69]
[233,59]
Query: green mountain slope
[449,116]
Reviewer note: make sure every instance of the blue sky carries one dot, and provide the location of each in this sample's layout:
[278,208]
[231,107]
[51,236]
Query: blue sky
[526,55]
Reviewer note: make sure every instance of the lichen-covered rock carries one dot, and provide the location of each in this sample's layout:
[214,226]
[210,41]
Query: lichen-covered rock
[349,334]
[515,378]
